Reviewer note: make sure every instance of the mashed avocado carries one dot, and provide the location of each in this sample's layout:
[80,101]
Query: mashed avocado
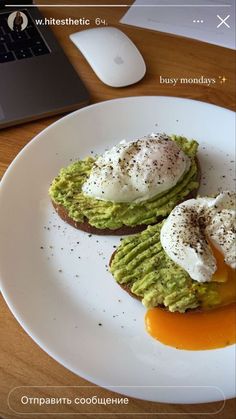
[66,191]
[141,264]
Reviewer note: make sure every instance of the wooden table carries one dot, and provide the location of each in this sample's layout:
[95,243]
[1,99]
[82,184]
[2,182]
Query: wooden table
[22,361]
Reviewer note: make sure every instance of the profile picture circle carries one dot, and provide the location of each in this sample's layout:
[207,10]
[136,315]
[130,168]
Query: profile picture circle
[17,21]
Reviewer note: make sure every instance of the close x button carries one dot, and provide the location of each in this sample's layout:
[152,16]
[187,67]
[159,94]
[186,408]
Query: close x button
[223,21]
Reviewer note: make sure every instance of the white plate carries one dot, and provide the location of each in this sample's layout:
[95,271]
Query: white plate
[61,293]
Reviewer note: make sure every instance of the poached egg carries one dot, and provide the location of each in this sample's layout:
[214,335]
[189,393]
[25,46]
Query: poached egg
[137,170]
[199,229]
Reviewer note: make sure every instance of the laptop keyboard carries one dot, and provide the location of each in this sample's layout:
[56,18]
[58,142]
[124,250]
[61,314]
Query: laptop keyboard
[20,45]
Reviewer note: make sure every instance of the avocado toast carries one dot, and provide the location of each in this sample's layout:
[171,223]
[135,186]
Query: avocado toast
[144,267]
[106,217]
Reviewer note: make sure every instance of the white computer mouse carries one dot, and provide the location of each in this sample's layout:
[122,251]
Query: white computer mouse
[112,55]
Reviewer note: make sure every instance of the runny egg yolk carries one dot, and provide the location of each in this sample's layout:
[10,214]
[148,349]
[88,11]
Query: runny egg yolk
[223,271]
[199,330]
[225,279]
[193,330]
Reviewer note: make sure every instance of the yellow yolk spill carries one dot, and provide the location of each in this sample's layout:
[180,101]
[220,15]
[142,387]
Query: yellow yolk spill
[193,330]
[199,330]
[223,271]
[225,277]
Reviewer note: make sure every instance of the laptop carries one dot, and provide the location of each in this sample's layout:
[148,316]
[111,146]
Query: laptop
[36,78]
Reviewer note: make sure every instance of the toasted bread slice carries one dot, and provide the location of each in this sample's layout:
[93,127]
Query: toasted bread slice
[124,230]
[141,267]
[85,226]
